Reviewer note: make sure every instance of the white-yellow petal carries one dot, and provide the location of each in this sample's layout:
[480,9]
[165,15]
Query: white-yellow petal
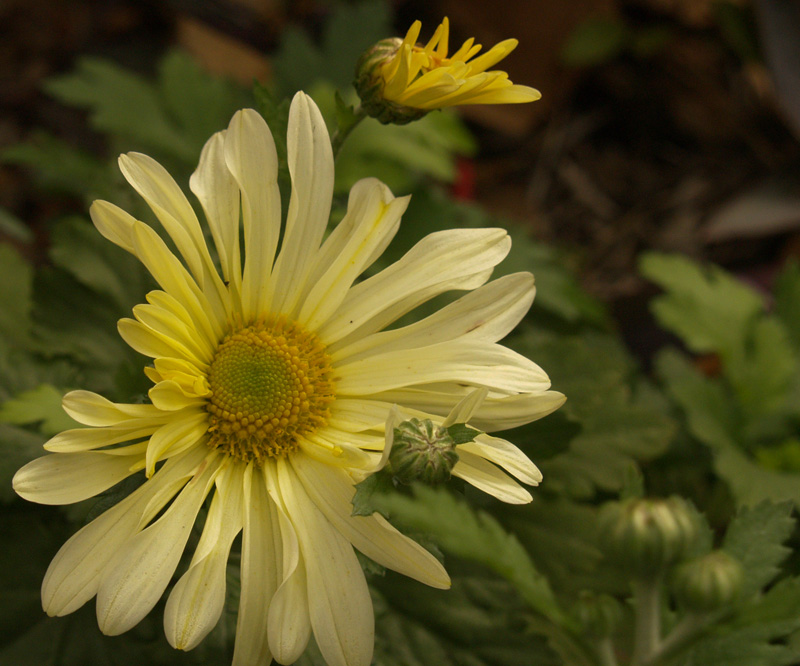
[340,607]
[65,478]
[490,479]
[440,261]
[74,574]
[332,492]
[196,602]
[310,159]
[251,158]
[218,193]
[289,624]
[488,314]
[260,567]
[134,580]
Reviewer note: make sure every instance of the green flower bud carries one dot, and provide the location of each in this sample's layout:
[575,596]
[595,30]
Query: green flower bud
[598,614]
[370,84]
[422,451]
[707,583]
[647,536]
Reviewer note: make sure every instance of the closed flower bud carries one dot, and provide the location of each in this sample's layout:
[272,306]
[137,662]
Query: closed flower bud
[370,85]
[647,536]
[422,451]
[598,614]
[707,583]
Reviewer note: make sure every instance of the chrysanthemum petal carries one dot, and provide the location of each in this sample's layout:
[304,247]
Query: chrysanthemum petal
[461,361]
[167,201]
[183,431]
[489,478]
[310,159]
[496,412]
[373,217]
[172,329]
[439,259]
[218,193]
[492,56]
[114,224]
[86,439]
[176,281]
[92,409]
[74,574]
[65,478]
[154,344]
[260,567]
[336,453]
[289,622]
[504,453]
[355,415]
[488,313]
[196,602]
[251,158]
[339,603]
[137,576]
[167,395]
[332,492]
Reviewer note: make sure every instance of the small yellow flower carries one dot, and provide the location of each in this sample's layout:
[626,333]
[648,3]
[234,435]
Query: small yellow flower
[421,78]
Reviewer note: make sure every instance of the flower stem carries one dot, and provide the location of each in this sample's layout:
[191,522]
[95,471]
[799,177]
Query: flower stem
[647,610]
[682,636]
[346,125]
[605,653]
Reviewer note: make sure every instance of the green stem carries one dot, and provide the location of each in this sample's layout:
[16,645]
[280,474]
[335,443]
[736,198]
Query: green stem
[686,632]
[647,611]
[343,131]
[605,653]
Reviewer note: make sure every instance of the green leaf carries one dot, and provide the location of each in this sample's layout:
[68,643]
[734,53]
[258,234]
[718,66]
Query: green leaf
[478,622]
[16,277]
[462,433]
[13,227]
[713,418]
[98,265]
[595,41]
[199,103]
[60,167]
[400,156]
[40,406]
[475,536]
[755,537]
[365,500]
[123,104]
[787,300]
[619,422]
[706,307]
[299,64]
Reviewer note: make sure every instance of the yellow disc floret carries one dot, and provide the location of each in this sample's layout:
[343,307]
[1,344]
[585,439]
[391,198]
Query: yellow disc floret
[270,385]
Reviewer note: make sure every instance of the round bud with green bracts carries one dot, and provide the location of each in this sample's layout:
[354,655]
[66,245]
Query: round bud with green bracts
[647,536]
[707,583]
[370,84]
[422,451]
[598,614]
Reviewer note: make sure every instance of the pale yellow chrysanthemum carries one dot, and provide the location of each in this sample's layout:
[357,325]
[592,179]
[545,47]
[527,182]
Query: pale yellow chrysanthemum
[273,382]
[426,77]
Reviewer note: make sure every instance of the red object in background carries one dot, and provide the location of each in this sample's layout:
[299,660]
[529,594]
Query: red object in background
[464,185]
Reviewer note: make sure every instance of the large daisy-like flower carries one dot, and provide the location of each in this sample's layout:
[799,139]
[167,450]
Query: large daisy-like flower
[272,382]
[397,77]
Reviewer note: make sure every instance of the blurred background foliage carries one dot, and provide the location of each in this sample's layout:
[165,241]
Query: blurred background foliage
[654,194]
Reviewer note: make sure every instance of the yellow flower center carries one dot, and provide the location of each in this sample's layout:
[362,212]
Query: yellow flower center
[270,385]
